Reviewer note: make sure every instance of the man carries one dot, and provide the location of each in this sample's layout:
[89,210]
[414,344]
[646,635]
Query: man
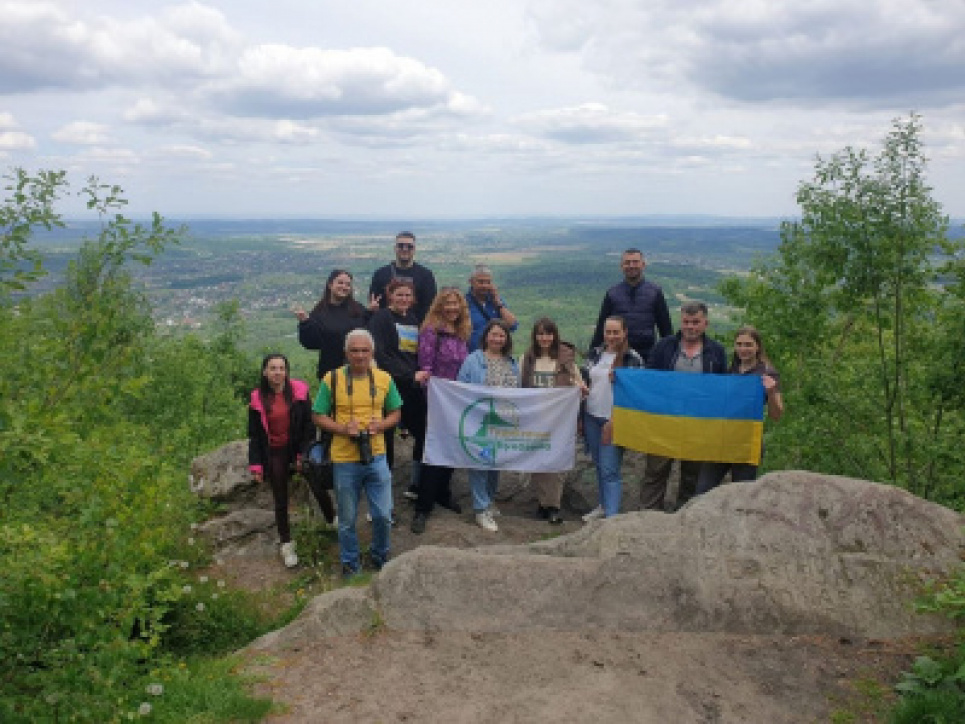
[690,350]
[639,302]
[485,304]
[366,404]
[404,267]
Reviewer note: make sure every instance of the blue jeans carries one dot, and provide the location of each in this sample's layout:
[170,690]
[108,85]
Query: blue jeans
[483,485]
[350,479]
[607,459]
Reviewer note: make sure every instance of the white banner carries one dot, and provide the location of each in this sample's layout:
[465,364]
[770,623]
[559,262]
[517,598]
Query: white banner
[498,428]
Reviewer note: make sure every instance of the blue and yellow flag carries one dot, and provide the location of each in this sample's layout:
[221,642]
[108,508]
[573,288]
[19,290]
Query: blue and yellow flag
[718,418]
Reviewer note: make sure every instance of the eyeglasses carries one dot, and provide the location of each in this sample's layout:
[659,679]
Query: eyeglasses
[404,246]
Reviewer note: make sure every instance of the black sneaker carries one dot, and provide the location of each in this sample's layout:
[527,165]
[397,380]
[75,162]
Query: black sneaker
[553,516]
[348,571]
[419,523]
[543,513]
[411,493]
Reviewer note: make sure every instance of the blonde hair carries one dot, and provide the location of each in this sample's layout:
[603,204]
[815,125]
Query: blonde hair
[436,320]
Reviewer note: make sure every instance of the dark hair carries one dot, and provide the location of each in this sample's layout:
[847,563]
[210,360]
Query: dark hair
[507,349]
[622,352]
[405,235]
[398,283]
[631,250]
[545,325]
[354,308]
[266,391]
[751,332]
[691,308]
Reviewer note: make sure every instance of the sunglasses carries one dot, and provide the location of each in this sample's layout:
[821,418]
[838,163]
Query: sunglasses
[403,245]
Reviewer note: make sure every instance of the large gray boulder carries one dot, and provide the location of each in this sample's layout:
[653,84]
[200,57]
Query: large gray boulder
[793,553]
[222,475]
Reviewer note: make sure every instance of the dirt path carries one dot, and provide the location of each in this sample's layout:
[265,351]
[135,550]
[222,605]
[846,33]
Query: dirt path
[573,677]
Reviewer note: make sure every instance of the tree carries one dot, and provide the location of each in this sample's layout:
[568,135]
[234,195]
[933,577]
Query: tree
[852,306]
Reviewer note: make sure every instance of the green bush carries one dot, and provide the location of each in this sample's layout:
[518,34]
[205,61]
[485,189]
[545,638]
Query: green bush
[99,417]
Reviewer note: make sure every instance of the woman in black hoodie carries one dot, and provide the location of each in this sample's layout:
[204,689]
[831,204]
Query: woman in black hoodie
[335,315]
[396,333]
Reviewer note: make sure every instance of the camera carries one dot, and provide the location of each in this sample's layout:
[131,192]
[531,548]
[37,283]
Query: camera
[364,441]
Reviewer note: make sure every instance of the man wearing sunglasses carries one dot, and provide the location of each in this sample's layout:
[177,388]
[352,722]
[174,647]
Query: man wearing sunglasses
[405,268]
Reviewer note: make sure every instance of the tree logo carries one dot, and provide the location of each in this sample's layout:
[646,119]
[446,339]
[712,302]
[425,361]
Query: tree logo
[484,425]
[489,428]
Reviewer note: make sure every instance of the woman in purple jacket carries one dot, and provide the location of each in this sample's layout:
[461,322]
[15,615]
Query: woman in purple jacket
[442,350]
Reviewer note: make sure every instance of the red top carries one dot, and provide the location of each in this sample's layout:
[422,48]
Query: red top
[278,422]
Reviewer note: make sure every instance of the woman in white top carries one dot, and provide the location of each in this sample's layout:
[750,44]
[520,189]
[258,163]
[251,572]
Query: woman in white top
[597,426]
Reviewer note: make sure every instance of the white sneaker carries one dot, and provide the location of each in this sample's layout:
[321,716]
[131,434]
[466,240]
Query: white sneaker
[493,511]
[288,554]
[485,521]
[597,512]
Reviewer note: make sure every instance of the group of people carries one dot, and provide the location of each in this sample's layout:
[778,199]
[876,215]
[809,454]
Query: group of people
[375,361]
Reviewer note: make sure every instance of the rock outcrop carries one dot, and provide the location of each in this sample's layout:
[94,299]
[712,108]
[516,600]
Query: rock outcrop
[793,553]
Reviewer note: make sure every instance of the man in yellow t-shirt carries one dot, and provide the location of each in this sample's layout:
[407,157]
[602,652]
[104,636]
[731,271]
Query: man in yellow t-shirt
[366,404]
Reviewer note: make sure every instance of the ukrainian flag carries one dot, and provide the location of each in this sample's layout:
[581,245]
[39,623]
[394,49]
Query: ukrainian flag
[717,418]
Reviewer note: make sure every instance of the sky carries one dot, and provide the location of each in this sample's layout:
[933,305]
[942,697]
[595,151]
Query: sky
[464,108]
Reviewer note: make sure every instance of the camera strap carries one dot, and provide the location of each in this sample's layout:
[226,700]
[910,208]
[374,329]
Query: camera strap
[348,388]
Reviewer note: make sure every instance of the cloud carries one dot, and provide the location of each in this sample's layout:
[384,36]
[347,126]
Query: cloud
[42,46]
[189,152]
[878,54]
[591,123]
[149,112]
[12,139]
[82,133]
[16,140]
[282,81]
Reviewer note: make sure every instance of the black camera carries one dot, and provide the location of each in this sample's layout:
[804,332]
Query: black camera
[364,441]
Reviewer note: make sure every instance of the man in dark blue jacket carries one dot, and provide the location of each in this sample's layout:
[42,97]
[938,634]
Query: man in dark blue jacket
[690,350]
[639,302]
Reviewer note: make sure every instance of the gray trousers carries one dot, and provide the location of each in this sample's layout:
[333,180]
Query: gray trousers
[656,476]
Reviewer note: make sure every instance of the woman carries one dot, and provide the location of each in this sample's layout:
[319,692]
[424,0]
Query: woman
[492,365]
[597,427]
[279,427]
[749,359]
[547,364]
[396,333]
[335,315]
[442,349]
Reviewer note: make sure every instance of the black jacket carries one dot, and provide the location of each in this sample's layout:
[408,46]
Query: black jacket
[325,331]
[643,307]
[400,364]
[664,355]
[301,429]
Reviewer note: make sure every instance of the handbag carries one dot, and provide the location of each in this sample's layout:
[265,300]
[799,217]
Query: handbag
[317,456]
[317,463]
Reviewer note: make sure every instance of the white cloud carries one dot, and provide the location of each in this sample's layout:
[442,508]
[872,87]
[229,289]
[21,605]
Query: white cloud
[43,46]
[82,133]
[591,123]
[16,140]
[282,81]
[190,152]
[148,112]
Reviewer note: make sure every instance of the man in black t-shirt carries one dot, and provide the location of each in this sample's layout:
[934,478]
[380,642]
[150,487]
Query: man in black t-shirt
[404,267]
